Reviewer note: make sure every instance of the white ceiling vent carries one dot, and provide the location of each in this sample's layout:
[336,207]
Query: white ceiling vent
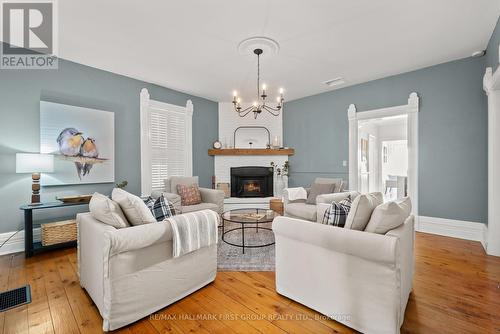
[335,82]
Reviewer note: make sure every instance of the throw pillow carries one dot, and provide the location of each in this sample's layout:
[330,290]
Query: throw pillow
[361,210]
[150,202]
[133,207]
[161,208]
[107,211]
[319,189]
[172,182]
[190,195]
[337,213]
[388,216]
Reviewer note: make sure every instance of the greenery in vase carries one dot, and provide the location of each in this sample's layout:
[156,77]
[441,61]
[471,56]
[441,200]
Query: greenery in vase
[281,170]
[122,184]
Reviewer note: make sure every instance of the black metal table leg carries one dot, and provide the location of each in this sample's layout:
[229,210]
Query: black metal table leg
[243,237]
[28,233]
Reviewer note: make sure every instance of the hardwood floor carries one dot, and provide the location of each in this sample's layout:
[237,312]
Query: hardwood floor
[456,290]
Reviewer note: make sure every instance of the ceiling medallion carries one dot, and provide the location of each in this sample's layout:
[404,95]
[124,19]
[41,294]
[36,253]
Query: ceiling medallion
[260,103]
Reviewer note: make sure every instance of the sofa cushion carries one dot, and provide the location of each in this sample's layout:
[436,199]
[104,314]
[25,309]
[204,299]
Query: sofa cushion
[190,195]
[319,189]
[361,210]
[199,207]
[389,216]
[133,207]
[339,182]
[172,182]
[107,211]
[301,210]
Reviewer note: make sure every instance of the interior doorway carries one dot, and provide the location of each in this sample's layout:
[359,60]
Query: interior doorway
[383,156]
[383,151]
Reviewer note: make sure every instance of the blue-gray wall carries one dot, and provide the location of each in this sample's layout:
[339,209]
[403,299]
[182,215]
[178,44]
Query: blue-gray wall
[452,134]
[75,84]
[492,50]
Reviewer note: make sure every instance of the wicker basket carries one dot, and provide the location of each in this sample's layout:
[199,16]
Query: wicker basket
[58,232]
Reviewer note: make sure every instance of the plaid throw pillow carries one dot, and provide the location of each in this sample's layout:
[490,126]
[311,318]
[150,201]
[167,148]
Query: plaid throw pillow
[161,208]
[337,213]
[190,195]
[149,201]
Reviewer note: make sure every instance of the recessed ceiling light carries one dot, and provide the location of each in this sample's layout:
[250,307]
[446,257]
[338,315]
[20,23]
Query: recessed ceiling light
[335,82]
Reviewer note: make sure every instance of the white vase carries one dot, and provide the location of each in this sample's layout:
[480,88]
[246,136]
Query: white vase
[280,185]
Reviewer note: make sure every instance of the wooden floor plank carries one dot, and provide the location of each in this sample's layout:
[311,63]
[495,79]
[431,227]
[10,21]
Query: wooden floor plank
[86,315]
[5,268]
[39,319]
[456,289]
[16,319]
[231,315]
[62,316]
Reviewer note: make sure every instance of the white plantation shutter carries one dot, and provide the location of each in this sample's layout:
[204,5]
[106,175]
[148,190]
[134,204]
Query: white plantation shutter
[166,148]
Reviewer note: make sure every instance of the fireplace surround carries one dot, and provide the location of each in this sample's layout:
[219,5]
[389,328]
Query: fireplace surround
[251,181]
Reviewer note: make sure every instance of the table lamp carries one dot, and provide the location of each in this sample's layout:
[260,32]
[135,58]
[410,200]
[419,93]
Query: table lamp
[34,163]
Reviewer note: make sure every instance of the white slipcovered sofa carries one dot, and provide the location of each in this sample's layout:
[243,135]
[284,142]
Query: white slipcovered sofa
[130,273]
[358,278]
[302,210]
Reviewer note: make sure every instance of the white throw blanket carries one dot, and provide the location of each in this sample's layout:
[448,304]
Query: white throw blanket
[296,193]
[194,230]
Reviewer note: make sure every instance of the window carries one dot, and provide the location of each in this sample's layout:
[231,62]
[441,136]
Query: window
[166,142]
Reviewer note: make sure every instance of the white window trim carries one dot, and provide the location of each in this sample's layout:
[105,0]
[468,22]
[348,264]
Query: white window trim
[146,103]
[411,109]
[491,85]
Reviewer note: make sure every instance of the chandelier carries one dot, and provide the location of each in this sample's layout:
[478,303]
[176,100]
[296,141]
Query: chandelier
[260,103]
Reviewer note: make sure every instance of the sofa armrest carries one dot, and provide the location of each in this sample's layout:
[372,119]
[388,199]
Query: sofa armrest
[138,237]
[213,196]
[286,199]
[334,197]
[93,255]
[365,245]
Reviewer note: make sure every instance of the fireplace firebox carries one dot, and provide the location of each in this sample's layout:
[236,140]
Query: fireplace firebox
[251,181]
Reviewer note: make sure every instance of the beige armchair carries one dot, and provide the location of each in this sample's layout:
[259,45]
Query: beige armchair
[210,198]
[302,210]
[358,278]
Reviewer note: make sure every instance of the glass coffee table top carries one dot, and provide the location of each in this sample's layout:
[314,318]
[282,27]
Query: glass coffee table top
[250,216]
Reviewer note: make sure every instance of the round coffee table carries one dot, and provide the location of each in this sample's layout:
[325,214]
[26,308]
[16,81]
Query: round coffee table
[248,219]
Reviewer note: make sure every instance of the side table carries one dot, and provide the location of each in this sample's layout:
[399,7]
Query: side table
[276,204]
[31,248]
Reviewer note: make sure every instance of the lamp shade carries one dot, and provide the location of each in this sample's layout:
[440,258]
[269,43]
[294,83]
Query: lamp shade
[34,163]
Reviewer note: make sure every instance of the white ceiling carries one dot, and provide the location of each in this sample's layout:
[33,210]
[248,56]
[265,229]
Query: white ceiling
[191,46]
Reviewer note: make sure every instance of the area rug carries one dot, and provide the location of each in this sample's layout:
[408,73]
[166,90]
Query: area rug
[231,258]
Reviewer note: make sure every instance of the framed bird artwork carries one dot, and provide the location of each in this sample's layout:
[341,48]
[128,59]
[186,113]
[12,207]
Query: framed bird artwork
[82,141]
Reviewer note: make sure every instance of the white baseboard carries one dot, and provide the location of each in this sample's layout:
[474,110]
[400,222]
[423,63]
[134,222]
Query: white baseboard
[453,228]
[16,243]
